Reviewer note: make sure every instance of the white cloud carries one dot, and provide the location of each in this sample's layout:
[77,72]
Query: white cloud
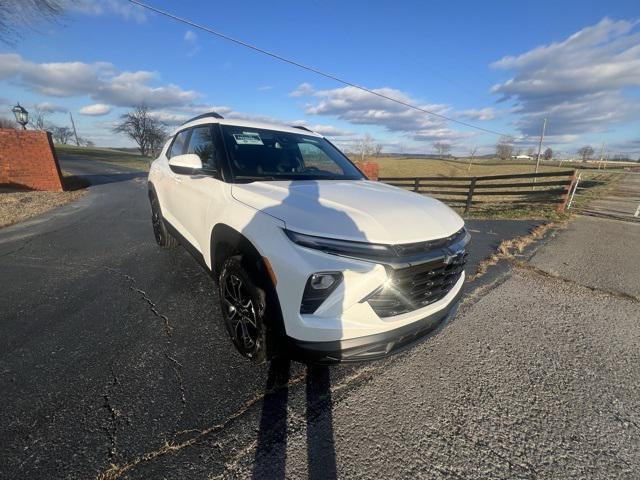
[331,131]
[51,107]
[192,40]
[326,130]
[126,10]
[190,110]
[361,108]
[483,114]
[264,88]
[581,83]
[101,81]
[96,109]
[170,118]
[302,90]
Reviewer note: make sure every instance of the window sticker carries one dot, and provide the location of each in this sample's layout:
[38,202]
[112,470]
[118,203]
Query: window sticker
[248,138]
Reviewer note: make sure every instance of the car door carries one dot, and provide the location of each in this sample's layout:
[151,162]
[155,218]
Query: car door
[199,192]
[173,182]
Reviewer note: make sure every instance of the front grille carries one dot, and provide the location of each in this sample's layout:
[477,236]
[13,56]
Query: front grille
[417,286]
[420,247]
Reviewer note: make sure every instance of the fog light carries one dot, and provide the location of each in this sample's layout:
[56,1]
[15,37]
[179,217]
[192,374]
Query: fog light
[322,281]
[318,288]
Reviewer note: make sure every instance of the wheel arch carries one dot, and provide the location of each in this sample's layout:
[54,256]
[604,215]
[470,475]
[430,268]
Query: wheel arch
[226,241]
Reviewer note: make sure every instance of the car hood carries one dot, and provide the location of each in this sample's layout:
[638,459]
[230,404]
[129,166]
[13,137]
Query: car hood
[352,210]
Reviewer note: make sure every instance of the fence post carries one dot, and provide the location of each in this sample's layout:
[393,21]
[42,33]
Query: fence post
[472,187]
[565,195]
[573,192]
[416,185]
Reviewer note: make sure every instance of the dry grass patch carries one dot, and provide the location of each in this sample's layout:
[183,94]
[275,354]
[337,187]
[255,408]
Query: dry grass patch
[19,205]
[509,248]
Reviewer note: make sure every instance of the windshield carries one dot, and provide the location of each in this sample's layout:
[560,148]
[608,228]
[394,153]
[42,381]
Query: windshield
[258,154]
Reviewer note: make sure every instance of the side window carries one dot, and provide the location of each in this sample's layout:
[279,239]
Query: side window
[315,158]
[201,143]
[179,144]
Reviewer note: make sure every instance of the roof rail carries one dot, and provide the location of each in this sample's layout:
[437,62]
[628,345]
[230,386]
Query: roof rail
[205,115]
[302,127]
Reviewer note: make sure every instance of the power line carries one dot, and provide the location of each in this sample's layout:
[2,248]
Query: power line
[310,69]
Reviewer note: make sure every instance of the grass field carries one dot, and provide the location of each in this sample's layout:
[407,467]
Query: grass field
[431,167]
[107,155]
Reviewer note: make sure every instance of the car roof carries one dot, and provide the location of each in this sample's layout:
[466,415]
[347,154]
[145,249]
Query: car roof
[246,123]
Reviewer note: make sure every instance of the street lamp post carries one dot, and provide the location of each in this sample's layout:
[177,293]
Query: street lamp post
[21,114]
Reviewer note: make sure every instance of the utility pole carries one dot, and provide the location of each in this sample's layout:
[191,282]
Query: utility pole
[74,130]
[544,127]
[601,156]
[473,154]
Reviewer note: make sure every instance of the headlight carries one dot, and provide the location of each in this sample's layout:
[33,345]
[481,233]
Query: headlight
[341,247]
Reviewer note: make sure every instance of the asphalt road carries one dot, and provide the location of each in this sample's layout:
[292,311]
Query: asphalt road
[114,361]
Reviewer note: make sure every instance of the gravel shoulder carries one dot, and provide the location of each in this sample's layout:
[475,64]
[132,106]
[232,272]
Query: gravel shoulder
[18,206]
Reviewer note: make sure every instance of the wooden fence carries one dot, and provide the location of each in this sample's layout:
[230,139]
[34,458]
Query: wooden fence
[518,189]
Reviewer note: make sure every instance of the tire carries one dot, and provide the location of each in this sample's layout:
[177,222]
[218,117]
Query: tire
[160,232]
[244,308]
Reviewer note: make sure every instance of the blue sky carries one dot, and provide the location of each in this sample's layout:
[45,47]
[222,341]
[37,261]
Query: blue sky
[500,65]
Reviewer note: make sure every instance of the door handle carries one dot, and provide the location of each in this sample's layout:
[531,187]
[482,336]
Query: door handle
[177,179]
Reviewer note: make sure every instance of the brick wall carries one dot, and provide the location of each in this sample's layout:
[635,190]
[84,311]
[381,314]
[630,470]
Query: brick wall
[28,159]
[370,169]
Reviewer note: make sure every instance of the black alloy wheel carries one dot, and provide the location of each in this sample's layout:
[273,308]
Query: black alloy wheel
[243,308]
[162,236]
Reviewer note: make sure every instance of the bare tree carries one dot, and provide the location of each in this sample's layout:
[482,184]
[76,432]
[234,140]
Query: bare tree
[472,154]
[6,123]
[15,15]
[377,149]
[365,147]
[548,154]
[504,147]
[443,148]
[61,135]
[157,137]
[142,128]
[531,151]
[38,118]
[585,152]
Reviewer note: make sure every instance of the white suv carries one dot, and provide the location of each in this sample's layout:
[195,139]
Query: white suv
[312,260]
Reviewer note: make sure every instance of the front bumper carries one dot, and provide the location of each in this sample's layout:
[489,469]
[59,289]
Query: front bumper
[372,347]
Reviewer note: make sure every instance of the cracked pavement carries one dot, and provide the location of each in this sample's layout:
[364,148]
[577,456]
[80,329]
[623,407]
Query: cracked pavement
[114,363]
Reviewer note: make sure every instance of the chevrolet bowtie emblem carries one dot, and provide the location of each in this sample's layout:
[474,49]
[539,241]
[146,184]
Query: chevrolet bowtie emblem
[448,257]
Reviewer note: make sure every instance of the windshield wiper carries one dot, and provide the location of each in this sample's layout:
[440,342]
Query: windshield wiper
[254,178]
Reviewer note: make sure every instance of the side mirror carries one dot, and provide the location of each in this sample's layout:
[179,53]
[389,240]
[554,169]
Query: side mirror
[185,164]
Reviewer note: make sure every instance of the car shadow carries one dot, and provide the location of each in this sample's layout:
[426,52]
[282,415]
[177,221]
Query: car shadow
[271,450]
[105,178]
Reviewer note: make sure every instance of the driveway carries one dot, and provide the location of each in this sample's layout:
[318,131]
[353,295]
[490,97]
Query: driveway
[114,360]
